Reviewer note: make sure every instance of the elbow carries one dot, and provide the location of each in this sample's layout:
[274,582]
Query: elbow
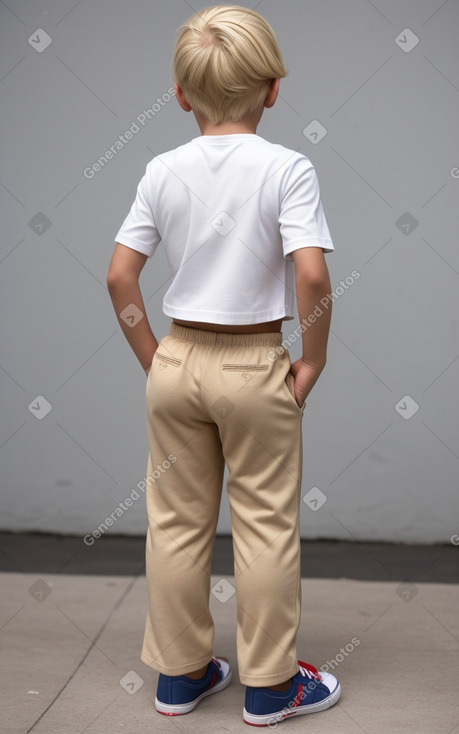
[112,281]
[316,280]
[117,279]
[313,275]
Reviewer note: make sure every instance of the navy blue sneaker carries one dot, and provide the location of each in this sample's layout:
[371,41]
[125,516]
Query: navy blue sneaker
[310,691]
[178,694]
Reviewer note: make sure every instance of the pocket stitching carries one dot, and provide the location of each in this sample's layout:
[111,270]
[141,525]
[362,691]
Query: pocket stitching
[170,360]
[245,367]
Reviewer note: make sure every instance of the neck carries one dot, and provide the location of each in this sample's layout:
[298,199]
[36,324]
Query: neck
[234,128]
[247,125]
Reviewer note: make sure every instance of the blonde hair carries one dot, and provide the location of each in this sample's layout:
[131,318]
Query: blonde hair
[224,60]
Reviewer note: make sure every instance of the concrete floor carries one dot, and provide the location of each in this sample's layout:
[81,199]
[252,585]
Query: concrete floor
[70,657]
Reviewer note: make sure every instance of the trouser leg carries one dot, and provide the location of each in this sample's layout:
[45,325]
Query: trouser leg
[183,506]
[262,445]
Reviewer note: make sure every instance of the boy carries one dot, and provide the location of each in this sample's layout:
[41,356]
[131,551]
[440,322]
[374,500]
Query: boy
[242,224]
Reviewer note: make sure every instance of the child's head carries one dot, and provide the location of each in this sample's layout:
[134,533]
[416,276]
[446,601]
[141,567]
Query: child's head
[225,58]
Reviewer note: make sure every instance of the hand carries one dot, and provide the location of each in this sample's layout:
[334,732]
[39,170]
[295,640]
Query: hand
[305,376]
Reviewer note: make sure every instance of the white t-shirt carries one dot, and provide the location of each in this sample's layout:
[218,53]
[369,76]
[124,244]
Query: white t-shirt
[229,210]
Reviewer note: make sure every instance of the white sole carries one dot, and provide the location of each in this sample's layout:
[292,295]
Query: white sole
[286,713]
[184,708]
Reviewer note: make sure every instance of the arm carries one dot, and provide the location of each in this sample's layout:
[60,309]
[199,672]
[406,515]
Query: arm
[312,284]
[123,285]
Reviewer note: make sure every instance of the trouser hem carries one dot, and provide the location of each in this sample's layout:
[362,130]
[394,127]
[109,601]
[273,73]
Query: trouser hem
[175,669]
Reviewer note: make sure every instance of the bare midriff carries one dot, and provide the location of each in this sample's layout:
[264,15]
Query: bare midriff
[267,326]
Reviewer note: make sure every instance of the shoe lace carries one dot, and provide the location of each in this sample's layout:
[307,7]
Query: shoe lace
[309,671]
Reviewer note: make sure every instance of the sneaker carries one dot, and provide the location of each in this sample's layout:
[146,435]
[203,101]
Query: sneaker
[178,694]
[310,691]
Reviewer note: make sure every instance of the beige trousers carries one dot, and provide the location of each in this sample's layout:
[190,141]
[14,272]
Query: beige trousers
[215,398]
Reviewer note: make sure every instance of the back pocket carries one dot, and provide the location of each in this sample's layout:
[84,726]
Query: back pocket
[164,359]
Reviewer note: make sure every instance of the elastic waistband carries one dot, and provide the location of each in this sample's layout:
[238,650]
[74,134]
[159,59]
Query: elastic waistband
[217,338]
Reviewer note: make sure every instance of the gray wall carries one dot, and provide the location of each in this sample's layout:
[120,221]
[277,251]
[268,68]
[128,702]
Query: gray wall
[388,167]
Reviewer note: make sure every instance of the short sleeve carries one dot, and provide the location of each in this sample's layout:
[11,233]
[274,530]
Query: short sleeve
[139,229]
[301,216]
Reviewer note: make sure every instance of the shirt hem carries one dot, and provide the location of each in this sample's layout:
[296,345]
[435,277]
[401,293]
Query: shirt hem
[227,318]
